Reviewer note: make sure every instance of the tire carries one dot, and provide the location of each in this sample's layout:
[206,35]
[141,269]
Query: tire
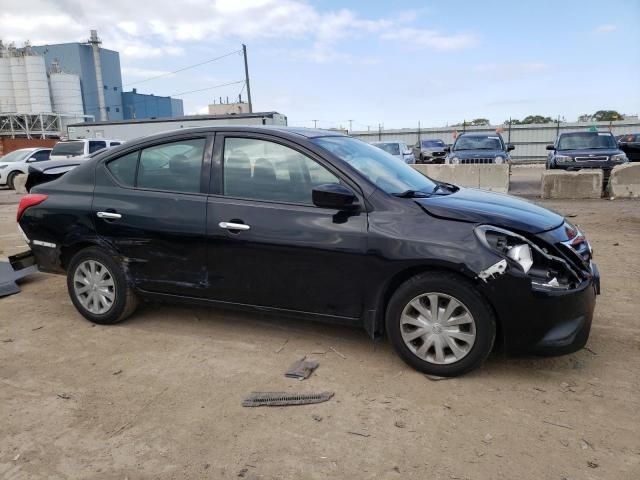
[446,287]
[115,300]
[10,178]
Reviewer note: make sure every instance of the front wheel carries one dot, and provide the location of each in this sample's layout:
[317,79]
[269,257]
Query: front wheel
[98,287]
[11,179]
[440,324]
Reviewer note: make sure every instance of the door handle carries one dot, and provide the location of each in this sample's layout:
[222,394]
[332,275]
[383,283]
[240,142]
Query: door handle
[234,226]
[109,215]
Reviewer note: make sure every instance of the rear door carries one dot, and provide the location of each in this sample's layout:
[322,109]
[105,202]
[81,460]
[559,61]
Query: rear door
[150,206]
[268,244]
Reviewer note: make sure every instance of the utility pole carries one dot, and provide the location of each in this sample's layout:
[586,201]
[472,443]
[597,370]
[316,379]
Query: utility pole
[350,126]
[379,131]
[419,139]
[246,77]
[315,123]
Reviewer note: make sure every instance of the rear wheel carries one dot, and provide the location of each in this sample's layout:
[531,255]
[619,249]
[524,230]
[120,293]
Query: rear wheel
[98,288]
[439,324]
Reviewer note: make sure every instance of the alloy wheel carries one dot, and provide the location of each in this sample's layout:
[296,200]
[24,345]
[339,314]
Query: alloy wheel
[438,328]
[94,287]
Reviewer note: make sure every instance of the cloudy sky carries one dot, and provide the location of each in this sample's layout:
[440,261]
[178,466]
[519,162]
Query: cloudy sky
[394,63]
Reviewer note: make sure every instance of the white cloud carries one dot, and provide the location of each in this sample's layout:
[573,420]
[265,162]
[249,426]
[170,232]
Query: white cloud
[606,28]
[417,38]
[163,26]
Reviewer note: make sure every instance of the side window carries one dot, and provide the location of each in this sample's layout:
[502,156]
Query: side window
[95,145]
[174,166]
[40,156]
[264,170]
[113,144]
[124,168]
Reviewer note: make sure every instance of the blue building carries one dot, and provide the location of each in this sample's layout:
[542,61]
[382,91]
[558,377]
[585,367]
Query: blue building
[78,58]
[140,105]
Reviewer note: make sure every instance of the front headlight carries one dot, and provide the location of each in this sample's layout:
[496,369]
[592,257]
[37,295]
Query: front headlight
[545,270]
[499,160]
[563,158]
[454,160]
[621,157]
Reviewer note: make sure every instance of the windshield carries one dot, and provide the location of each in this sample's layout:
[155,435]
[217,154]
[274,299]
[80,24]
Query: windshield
[432,143]
[16,155]
[71,149]
[392,148]
[586,140]
[478,142]
[385,171]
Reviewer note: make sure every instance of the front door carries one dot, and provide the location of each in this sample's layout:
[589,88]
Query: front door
[268,244]
[150,206]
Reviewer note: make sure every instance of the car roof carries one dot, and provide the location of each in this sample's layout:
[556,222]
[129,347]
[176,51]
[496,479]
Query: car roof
[478,134]
[386,141]
[287,132]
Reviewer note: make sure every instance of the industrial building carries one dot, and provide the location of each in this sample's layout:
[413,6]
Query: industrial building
[129,129]
[140,105]
[44,88]
[228,108]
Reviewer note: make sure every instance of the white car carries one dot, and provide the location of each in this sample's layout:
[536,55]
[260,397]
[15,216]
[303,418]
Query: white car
[17,162]
[81,148]
[400,150]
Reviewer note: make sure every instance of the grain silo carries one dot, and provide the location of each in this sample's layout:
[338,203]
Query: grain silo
[65,91]
[40,99]
[20,83]
[7,100]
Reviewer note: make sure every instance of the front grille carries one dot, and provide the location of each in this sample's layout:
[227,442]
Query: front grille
[477,160]
[599,158]
[438,154]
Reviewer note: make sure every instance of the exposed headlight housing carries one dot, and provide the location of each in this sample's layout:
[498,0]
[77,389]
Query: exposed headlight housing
[620,157]
[499,160]
[546,271]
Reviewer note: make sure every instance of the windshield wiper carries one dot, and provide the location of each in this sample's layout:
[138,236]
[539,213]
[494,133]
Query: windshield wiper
[410,194]
[445,185]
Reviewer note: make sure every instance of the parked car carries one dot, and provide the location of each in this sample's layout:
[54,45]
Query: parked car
[18,161]
[578,150]
[319,225]
[430,151]
[630,145]
[400,150]
[81,148]
[475,147]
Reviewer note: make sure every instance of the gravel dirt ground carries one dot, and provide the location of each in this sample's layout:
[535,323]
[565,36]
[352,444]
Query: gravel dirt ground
[159,396]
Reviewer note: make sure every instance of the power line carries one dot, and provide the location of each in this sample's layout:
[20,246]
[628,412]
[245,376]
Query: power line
[211,60]
[204,89]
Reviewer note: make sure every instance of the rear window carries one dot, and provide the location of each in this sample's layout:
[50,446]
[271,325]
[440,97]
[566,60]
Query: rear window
[69,149]
[432,143]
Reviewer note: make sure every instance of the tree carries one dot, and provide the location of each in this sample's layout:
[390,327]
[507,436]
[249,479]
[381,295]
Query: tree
[480,121]
[607,116]
[536,119]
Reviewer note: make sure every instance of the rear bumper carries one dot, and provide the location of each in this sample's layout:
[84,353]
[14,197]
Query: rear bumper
[543,322]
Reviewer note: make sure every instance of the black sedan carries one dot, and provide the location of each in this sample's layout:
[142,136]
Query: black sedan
[630,145]
[319,225]
[578,150]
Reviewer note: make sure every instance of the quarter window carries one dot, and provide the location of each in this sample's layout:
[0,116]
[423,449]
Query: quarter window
[124,168]
[264,170]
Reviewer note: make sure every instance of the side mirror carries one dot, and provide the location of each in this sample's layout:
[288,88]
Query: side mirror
[510,147]
[551,147]
[30,160]
[447,148]
[334,195]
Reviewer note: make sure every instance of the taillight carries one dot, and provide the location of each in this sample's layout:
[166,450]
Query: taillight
[29,200]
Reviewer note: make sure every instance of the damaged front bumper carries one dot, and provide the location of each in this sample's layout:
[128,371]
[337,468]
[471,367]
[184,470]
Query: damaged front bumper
[18,267]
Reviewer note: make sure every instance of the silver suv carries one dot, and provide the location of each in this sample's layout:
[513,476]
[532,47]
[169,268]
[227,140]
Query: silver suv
[81,148]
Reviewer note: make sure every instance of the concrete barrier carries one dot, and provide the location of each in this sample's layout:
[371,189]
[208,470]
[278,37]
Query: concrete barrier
[624,181]
[581,184]
[492,177]
[19,183]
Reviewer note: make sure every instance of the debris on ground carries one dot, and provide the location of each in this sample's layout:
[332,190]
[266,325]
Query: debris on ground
[64,396]
[7,340]
[561,425]
[436,378]
[487,438]
[37,328]
[282,346]
[18,267]
[591,464]
[117,372]
[301,369]
[590,351]
[317,418]
[338,353]
[360,434]
[282,399]
[243,471]
[400,424]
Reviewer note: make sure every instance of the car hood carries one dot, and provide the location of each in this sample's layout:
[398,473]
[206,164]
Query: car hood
[483,207]
[477,153]
[585,152]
